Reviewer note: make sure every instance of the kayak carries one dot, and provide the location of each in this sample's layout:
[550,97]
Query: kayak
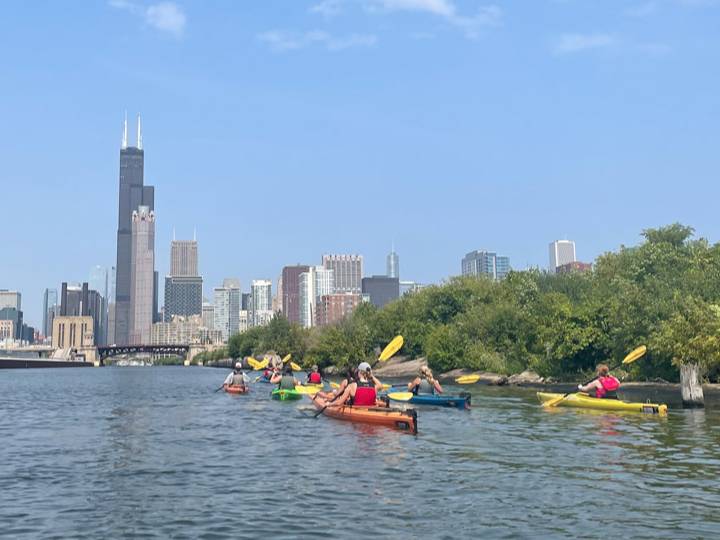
[235,389]
[581,400]
[399,419]
[286,395]
[459,402]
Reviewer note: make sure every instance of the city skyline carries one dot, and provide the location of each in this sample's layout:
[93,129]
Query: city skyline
[574,136]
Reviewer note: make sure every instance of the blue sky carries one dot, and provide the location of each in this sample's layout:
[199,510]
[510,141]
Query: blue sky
[283,130]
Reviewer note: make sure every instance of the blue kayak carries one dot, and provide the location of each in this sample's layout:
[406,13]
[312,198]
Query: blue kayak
[438,400]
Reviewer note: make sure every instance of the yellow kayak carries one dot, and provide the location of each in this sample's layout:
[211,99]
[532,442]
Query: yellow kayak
[584,401]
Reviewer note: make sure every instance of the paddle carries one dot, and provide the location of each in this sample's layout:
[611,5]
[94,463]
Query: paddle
[287,357]
[253,363]
[636,354]
[467,379]
[223,386]
[390,349]
[401,396]
[295,366]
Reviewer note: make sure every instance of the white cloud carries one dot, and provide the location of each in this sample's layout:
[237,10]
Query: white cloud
[164,16]
[280,40]
[572,43]
[470,24]
[327,8]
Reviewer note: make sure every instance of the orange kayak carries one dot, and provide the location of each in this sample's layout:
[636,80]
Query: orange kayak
[402,420]
[235,389]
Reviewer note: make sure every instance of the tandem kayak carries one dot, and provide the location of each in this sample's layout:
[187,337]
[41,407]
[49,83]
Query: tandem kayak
[235,389]
[584,401]
[286,395]
[460,402]
[380,416]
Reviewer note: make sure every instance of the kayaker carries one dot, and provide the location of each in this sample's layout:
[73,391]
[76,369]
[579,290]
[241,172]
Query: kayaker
[349,377]
[369,375]
[237,377]
[286,380]
[604,386]
[360,393]
[425,383]
[314,376]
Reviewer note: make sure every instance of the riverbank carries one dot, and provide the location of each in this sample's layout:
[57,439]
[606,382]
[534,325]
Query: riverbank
[28,363]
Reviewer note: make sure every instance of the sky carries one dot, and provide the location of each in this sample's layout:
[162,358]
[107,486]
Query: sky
[280,130]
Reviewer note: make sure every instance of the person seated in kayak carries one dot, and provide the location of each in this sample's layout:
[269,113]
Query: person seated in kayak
[237,377]
[425,383]
[267,374]
[286,380]
[604,386]
[349,377]
[314,376]
[367,369]
[359,393]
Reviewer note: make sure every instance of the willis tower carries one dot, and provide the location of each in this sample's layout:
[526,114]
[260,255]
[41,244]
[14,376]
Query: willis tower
[133,194]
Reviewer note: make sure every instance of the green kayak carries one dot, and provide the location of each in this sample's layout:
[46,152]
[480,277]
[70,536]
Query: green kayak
[286,395]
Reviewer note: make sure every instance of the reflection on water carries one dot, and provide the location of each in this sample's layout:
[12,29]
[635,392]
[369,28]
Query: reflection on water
[154,452]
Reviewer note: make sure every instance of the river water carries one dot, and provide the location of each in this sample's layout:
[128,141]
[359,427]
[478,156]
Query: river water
[155,453]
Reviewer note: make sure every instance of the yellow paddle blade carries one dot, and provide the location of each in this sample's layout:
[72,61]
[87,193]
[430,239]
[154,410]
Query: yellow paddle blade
[307,389]
[555,401]
[334,384]
[295,366]
[287,357]
[635,355]
[386,386]
[468,379]
[262,365]
[401,396]
[394,346]
[253,363]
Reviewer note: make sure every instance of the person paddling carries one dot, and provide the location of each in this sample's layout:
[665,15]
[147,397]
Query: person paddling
[360,393]
[286,380]
[349,377]
[425,383]
[604,386]
[237,377]
[314,376]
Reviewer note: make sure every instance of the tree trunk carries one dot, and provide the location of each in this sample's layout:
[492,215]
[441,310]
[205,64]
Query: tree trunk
[692,392]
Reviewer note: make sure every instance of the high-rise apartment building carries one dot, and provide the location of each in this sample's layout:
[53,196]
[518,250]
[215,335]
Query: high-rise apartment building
[348,272]
[183,286]
[393,264]
[316,282]
[226,301]
[132,195]
[50,310]
[291,291]
[381,290]
[208,315]
[562,252]
[485,263]
[260,311]
[142,275]
[333,308]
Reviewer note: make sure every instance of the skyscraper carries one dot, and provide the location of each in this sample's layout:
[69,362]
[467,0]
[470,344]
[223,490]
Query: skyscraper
[318,281]
[183,287]
[142,275]
[291,291]
[562,252]
[381,290]
[485,263]
[184,258]
[50,309]
[10,299]
[132,194]
[260,311]
[99,282]
[393,264]
[226,301]
[348,272]
[111,307]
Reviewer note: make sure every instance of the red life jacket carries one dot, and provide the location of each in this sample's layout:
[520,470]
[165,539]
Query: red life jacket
[365,396]
[608,384]
[267,374]
[315,378]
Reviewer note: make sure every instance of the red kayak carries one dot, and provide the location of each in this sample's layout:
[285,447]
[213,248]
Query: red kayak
[235,389]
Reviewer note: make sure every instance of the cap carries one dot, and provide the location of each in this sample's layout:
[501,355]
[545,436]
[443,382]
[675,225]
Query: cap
[364,366]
